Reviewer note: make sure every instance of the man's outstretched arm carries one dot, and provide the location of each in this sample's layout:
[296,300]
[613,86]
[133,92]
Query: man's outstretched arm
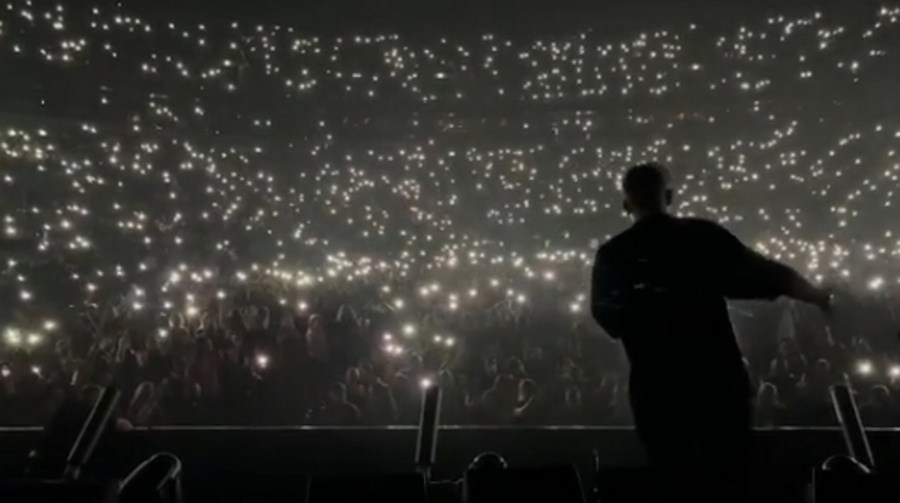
[798,287]
[749,274]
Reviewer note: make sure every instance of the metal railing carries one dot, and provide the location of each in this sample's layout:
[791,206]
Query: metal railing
[847,414]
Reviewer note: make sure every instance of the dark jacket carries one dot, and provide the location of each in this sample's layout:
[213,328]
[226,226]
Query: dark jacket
[661,287]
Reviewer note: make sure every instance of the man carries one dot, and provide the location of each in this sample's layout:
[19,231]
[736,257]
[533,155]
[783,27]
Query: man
[660,288]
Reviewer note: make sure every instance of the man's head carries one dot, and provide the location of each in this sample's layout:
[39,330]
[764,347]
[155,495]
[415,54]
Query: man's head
[646,188]
[880,395]
[337,392]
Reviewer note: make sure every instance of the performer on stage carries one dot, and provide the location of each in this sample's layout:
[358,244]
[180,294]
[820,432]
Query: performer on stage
[660,287]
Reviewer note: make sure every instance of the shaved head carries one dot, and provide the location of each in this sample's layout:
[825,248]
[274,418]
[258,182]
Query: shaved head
[647,190]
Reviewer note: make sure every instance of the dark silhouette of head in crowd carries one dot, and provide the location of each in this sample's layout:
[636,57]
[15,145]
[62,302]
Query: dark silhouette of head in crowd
[647,191]
[527,390]
[337,392]
[880,396]
[767,397]
[506,385]
[819,375]
[488,462]
[91,393]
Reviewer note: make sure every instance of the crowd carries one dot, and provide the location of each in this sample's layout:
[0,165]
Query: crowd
[251,225]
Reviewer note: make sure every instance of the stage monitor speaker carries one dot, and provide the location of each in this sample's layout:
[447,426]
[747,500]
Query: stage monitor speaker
[515,485]
[403,488]
[70,437]
[156,480]
[621,484]
[60,491]
[842,486]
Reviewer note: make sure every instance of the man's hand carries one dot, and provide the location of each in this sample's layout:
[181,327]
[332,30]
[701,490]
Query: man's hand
[803,290]
[824,299]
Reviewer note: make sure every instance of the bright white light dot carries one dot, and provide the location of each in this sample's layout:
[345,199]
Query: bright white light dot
[864,367]
[12,336]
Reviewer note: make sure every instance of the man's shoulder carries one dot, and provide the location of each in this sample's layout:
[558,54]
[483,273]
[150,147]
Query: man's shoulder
[613,244]
[704,227]
[622,240]
[690,226]
[699,223]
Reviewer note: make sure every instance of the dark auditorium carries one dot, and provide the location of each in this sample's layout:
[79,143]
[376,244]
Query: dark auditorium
[450,251]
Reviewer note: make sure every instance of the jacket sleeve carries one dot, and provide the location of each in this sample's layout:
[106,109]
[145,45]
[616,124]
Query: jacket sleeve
[746,274]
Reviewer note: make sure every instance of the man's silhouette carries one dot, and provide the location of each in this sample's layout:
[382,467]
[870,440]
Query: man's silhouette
[661,287]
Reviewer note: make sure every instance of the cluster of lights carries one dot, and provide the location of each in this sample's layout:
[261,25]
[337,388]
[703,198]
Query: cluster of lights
[867,369]
[458,210]
[17,338]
